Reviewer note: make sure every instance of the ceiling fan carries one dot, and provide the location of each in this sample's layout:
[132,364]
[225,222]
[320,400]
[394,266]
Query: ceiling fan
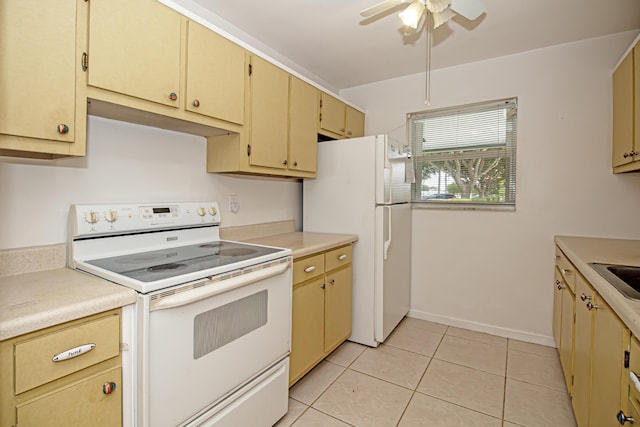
[440,10]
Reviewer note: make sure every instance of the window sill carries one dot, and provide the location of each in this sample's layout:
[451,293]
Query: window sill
[462,206]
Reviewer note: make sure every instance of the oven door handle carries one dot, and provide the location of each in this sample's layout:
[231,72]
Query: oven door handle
[200,293]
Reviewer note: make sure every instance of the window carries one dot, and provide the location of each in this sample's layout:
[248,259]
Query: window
[465,156]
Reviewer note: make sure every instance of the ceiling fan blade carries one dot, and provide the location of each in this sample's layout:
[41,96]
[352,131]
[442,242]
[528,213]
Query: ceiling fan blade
[470,9]
[381,7]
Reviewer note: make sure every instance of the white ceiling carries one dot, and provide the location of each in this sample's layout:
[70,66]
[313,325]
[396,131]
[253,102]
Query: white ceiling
[331,40]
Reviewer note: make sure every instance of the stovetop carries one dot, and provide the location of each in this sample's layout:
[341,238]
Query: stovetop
[173,262]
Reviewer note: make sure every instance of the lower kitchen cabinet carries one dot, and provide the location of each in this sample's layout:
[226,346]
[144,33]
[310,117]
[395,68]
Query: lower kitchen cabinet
[321,312]
[36,390]
[563,314]
[595,371]
[610,340]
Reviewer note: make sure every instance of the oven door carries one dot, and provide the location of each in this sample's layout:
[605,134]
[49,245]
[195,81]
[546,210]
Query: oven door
[205,343]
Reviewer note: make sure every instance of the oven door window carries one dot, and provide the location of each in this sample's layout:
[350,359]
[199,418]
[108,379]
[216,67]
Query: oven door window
[223,325]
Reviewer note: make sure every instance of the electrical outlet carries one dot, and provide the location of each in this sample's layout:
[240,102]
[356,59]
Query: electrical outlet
[234,204]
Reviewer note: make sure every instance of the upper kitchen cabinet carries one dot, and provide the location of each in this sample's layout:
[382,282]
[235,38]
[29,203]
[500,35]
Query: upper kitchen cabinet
[269,86]
[44,109]
[134,49]
[338,120]
[279,136]
[303,110]
[626,113]
[215,75]
[148,64]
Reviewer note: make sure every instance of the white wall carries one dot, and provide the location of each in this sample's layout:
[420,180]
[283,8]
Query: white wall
[129,163]
[493,271]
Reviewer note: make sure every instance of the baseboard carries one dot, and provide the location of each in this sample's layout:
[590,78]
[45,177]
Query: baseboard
[483,327]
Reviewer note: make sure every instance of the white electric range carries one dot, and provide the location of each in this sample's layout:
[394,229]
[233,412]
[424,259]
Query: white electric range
[209,335]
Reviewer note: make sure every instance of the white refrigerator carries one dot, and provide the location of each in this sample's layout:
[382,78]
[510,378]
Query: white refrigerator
[363,187]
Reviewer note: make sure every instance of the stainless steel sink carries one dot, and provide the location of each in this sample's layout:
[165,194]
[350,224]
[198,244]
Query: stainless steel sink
[624,278]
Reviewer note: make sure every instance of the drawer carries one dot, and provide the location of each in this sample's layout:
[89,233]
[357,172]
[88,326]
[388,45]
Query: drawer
[308,268]
[338,257]
[81,403]
[34,363]
[566,269]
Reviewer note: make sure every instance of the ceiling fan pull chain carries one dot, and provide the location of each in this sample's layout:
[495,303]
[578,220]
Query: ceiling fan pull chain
[427,90]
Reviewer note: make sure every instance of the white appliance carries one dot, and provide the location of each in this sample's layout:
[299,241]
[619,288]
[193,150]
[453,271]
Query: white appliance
[364,187]
[209,336]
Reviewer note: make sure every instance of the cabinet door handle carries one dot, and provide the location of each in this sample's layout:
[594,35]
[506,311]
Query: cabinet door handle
[332,282]
[173,96]
[62,129]
[195,103]
[323,286]
[342,257]
[622,418]
[591,306]
[73,352]
[566,271]
[310,269]
[108,388]
[584,297]
[559,285]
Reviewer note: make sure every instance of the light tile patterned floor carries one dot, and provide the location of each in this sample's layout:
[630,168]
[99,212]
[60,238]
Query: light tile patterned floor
[427,374]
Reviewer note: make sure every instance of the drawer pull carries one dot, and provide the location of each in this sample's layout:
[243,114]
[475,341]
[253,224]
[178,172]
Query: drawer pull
[310,269]
[73,352]
[342,257]
[634,380]
[566,271]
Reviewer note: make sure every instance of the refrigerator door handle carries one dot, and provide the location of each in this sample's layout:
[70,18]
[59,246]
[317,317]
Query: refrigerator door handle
[387,242]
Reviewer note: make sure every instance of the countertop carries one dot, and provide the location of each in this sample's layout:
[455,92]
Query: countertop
[33,301]
[303,243]
[583,250]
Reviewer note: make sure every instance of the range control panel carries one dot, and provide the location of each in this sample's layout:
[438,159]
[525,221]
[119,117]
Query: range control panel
[100,219]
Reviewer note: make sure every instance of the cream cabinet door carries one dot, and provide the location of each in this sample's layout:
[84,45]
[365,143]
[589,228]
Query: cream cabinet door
[331,114]
[558,287]
[80,404]
[582,352]
[215,75]
[337,311]
[134,49]
[354,122]
[303,115]
[610,339]
[623,112]
[38,69]
[269,114]
[307,328]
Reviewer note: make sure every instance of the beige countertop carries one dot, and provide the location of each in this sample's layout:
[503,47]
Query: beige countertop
[583,250]
[33,301]
[305,243]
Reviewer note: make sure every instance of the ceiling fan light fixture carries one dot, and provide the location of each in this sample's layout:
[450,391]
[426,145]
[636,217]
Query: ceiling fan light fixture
[411,15]
[437,6]
[440,18]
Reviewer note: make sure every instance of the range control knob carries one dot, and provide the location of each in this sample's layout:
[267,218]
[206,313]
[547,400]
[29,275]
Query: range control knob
[202,211]
[91,217]
[213,211]
[111,216]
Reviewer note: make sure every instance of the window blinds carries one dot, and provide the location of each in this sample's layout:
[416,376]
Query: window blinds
[465,154]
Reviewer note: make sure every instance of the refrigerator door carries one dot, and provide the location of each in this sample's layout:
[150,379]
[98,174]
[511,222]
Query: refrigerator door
[393,183]
[392,267]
